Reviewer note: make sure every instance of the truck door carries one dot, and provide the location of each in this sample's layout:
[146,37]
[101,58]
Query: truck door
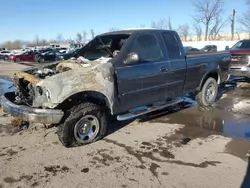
[143,82]
[177,65]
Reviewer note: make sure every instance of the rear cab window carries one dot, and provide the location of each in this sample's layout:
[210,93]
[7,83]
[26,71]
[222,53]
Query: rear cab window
[172,45]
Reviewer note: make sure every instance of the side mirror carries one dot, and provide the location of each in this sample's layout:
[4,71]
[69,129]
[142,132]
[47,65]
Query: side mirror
[132,58]
[227,48]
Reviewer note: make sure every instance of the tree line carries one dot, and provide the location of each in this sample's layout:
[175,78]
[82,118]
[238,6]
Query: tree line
[81,37]
[207,21]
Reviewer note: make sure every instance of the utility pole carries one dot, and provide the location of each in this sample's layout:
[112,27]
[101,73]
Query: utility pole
[232,25]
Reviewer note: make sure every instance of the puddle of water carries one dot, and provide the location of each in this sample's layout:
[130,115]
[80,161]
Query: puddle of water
[199,123]
[6,86]
[230,116]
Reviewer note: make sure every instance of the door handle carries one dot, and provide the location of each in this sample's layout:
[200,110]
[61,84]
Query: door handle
[164,70]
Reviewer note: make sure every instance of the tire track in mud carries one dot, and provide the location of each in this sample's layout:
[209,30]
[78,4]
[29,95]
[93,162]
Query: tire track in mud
[157,149]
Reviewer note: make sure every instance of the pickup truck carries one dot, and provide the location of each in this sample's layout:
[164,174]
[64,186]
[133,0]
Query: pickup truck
[123,74]
[240,61]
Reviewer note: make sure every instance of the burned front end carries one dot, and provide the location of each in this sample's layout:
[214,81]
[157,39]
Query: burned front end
[27,102]
[40,91]
[28,91]
[25,88]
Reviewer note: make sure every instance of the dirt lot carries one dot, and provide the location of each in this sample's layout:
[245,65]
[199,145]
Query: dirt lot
[183,147]
[7,69]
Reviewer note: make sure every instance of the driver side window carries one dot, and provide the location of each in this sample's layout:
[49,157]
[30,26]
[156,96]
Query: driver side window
[147,48]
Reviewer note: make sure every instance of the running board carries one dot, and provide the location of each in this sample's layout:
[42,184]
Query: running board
[137,113]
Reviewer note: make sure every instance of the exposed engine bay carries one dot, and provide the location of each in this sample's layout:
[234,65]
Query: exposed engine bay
[45,72]
[26,81]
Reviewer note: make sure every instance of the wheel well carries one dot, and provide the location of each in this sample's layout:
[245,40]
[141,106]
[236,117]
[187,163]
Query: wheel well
[90,96]
[214,75]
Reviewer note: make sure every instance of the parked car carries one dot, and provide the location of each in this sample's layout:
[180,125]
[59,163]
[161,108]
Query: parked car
[209,48]
[190,49]
[25,56]
[39,52]
[240,62]
[2,49]
[5,54]
[47,56]
[61,50]
[69,54]
[123,74]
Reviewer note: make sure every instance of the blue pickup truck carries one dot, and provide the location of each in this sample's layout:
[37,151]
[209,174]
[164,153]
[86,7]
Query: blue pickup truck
[125,74]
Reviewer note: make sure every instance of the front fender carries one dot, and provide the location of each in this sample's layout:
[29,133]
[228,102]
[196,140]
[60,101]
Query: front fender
[64,85]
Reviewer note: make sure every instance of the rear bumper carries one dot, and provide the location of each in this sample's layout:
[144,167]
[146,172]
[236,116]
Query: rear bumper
[26,113]
[242,72]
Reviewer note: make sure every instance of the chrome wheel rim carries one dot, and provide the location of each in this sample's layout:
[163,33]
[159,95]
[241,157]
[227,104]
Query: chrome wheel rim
[210,92]
[86,129]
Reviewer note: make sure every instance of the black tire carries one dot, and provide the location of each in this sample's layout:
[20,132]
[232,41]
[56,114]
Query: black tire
[66,129]
[201,98]
[17,60]
[6,58]
[41,60]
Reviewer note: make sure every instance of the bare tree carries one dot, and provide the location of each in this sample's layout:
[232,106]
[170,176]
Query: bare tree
[17,44]
[238,35]
[198,31]
[183,31]
[59,38]
[161,24]
[70,41]
[207,11]
[84,36]
[92,33]
[37,40]
[232,19]
[244,20]
[170,24]
[78,37]
[142,26]
[216,28]
[44,42]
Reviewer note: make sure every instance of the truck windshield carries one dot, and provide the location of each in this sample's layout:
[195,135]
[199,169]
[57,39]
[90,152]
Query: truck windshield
[241,45]
[103,46]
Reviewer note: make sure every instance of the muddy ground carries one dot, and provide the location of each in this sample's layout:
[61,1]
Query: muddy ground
[181,147]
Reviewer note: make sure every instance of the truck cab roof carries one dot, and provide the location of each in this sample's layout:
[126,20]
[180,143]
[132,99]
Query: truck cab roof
[135,30]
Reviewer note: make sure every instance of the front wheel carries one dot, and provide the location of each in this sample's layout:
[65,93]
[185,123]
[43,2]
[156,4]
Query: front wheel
[86,123]
[207,96]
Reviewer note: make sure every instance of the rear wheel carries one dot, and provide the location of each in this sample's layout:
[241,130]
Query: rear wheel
[17,60]
[207,95]
[86,123]
[41,60]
